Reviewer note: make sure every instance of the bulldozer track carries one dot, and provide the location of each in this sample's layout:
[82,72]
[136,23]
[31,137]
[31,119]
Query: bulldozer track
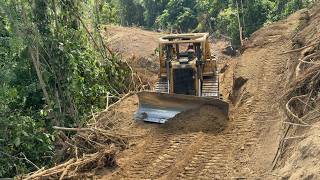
[193,155]
[210,87]
[161,86]
[210,161]
[150,154]
[160,155]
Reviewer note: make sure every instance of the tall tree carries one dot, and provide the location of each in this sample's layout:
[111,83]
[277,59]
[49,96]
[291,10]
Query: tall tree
[179,15]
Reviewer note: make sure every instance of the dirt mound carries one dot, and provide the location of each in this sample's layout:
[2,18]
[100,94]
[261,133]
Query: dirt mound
[206,119]
[131,41]
[138,47]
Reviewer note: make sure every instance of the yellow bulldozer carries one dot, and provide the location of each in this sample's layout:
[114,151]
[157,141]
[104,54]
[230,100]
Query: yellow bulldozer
[188,79]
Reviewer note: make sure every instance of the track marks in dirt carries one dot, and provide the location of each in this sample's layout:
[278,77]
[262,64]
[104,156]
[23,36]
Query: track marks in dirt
[173,155]
[152,151]
[210,161]
[164,153]
[189,156]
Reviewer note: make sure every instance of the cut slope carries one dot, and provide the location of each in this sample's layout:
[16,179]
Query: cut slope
[138,48]
[131,41]
[245,147]
[299,150]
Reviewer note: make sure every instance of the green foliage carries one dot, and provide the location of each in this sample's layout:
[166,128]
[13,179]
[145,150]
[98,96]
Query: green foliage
[54,73]
[108,12]
[178,15]
[207,11]
[76,71]
[153,8]
[130,12]
[283,8]
[255,15]
[23,140]
[227,24]
[214,16]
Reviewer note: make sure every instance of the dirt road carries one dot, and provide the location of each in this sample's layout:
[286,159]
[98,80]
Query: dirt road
[242,146]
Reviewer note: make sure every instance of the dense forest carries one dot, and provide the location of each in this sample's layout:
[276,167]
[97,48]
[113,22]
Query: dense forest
[216,16]
[56,69]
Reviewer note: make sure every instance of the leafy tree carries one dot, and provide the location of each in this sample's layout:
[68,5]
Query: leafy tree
[283,8]
[227,24]
[24,141]
[179,15]
[130,12]
[53,72]
[255,14]
[153,8]
[107,12]
[207,11]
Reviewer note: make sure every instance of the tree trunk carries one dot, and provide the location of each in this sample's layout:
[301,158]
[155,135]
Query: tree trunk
[34,53]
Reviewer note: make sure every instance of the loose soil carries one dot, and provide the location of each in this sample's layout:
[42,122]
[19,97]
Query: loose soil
[202,143]
[138,48]
[206,119]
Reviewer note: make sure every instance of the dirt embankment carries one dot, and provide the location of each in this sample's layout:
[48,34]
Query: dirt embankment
[203,144]
[259,83]
[138,47]
[298,156]
[131,41]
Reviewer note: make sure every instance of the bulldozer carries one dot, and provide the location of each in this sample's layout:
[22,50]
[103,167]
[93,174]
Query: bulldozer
[188,79]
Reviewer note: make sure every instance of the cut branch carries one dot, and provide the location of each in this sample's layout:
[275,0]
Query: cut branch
[289,110]
[300,49]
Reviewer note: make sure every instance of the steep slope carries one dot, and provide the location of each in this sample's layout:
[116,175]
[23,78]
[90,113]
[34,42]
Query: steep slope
[298,156]
[258,100]
[138,48]
[131,41]
[243,146]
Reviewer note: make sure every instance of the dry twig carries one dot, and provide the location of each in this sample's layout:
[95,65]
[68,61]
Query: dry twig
[289,110]
[300,49]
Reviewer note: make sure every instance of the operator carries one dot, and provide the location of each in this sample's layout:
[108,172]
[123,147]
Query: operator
[190,52]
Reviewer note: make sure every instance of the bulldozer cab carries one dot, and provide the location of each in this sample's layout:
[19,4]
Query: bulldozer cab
[188,79]
[185,63]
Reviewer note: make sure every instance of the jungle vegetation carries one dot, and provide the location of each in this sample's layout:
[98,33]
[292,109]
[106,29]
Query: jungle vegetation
[56,69]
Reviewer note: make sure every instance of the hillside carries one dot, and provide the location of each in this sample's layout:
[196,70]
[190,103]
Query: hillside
[71,73]
[265,135]
[259,139]
[243,146]
[138,47]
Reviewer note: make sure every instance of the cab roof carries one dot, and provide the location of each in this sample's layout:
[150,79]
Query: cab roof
[184,38]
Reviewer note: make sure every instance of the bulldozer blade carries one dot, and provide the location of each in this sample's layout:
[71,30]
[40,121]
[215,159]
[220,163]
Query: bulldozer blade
[159,107]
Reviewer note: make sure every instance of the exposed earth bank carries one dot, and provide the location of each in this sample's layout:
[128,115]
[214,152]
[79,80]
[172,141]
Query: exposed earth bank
[205,144]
